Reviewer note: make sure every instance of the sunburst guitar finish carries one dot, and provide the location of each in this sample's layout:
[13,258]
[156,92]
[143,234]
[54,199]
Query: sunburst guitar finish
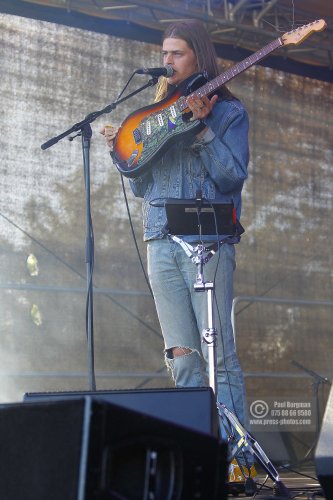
[149,132]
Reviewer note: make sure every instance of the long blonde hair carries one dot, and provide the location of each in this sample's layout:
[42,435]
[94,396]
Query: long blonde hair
[194,33]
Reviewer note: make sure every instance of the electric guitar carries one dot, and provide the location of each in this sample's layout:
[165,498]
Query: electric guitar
[148,132]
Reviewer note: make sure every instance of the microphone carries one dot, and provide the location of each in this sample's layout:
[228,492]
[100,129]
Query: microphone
[166,71]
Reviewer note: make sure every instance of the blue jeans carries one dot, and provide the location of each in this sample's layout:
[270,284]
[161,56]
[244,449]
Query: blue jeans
[182,313]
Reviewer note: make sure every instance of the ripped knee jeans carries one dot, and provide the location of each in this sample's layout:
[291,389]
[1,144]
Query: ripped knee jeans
[183,317]
[187,369]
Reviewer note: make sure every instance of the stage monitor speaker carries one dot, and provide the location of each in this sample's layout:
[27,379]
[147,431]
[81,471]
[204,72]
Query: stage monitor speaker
[85,449]
[324,450]
[192,407]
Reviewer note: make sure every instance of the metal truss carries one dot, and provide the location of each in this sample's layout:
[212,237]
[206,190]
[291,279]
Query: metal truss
[248,24]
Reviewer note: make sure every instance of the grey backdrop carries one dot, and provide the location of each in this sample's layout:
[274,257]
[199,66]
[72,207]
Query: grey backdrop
[51,77]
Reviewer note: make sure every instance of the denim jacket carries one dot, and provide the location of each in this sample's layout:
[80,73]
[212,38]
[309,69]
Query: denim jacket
[216,165]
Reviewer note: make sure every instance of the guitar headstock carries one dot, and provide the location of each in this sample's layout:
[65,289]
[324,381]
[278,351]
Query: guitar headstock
[300,34]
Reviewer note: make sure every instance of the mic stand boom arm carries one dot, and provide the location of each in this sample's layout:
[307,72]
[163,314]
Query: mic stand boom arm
[83,128]
[77,127]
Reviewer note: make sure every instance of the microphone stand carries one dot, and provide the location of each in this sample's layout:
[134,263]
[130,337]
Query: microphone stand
[84,130]
[316,381]
[239,438]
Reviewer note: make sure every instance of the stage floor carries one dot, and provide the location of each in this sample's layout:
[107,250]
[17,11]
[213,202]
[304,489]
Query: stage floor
[301,483]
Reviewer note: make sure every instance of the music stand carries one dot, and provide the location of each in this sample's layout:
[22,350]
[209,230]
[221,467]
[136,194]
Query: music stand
[187,217]
[198,216]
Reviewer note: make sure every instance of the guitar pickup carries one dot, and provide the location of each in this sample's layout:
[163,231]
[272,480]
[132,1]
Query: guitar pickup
[137,136]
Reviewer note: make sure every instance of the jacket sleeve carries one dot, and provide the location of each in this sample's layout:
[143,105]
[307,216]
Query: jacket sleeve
[225,153]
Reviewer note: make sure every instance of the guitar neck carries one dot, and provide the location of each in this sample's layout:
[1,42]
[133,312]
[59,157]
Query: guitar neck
[228,75]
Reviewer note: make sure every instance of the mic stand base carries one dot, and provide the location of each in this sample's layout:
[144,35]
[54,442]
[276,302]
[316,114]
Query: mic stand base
[247,441]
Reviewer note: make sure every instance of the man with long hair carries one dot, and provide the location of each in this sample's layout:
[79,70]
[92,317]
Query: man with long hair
[213,162]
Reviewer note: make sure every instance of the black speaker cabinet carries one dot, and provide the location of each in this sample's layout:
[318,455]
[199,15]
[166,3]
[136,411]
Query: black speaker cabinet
[194,408]
[324,450]
[89,449]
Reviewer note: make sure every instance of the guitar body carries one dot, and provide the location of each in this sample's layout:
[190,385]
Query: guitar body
[148,132]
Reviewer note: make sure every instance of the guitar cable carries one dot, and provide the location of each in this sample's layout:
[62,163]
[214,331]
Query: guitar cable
[134,235]
[128,209]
